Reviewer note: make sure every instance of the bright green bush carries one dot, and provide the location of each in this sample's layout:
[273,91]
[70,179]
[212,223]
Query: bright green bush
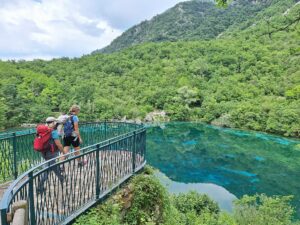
[106,214]
[194,202]
[264,210]
[150,202]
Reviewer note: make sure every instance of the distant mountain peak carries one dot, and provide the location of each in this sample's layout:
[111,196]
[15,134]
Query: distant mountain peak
[190,20]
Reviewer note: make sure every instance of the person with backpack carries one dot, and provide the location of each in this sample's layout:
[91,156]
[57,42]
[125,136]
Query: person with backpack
[48,144]
[71,134]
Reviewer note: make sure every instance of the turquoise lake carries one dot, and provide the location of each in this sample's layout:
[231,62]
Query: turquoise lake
[224,163]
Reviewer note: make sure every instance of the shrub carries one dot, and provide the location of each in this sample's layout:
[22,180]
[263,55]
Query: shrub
[263,210]
[146,202]
[193,201]
[105,214]
[150,202]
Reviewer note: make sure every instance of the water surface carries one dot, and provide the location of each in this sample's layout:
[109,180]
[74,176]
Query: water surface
[224,163]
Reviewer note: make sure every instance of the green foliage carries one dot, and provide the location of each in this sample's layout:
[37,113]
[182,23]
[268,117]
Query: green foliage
[243,80]
[222,2]
[148,170]
[150,202]
[294,92]
[191,20]
[193,202]
[145,201]
[3,109]
[194,208]
[106,214]
[262,210]
[27,96]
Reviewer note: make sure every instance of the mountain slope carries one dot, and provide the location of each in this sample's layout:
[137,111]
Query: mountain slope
[246,80]
[277,17]
[192,20]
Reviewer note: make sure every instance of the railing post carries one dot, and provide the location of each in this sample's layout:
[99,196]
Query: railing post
[4,217]
[15,155]
[144,143]
[97,172]
[31,199]
[133,152]
[105,129]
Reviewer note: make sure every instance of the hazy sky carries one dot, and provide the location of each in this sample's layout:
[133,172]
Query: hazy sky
[55,28]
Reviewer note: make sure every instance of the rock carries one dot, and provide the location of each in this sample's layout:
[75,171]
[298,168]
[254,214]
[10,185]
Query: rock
[222,121]
[28,125]
[156,116]
[138,121]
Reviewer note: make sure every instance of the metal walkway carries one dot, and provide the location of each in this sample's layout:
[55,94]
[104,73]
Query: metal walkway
[60,200]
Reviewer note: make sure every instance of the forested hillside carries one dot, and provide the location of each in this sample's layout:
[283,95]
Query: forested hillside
[191,20]
[244,80]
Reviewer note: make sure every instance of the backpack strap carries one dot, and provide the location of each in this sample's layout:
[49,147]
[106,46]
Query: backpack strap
[51,141]
[53,147]
[72,120]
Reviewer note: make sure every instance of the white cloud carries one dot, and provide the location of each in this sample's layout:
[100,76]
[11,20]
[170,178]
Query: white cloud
[55,28]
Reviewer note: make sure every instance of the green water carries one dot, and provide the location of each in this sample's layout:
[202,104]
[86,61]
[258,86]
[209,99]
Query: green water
[224,163]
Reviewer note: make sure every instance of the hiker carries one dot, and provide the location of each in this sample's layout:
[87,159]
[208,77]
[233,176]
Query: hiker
[71,133]
[49,149]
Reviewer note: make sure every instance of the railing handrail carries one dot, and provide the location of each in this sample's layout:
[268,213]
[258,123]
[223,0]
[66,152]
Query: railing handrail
[22,176]
[10,192]
[30,131]
[11,147]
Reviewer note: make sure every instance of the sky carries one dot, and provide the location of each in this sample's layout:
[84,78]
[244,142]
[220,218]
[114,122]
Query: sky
[45,29]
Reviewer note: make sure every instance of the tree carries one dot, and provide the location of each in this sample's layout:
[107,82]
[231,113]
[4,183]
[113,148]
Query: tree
[286,25]
[3,109]
[222,2]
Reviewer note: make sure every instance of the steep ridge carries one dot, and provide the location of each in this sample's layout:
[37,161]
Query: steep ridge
[191,20]
[271,19]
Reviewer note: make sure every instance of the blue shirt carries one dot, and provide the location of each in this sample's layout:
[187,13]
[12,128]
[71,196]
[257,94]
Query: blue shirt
[54,135]
[75,119]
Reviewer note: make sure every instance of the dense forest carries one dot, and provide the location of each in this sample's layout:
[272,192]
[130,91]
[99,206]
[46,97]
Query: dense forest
[248,77]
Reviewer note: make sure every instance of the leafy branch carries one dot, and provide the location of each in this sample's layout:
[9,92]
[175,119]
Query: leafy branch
[286,26]
[289,22]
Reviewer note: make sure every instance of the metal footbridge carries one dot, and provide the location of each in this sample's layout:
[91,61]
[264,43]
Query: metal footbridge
[114,151]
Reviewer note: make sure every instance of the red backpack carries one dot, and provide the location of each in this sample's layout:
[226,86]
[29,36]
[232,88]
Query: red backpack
[42,141]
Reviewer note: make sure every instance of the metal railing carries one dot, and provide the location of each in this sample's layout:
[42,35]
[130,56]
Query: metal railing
[57,199]
[16,148]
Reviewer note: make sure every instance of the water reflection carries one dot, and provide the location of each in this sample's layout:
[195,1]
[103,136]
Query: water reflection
[240,162]
[223,197]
